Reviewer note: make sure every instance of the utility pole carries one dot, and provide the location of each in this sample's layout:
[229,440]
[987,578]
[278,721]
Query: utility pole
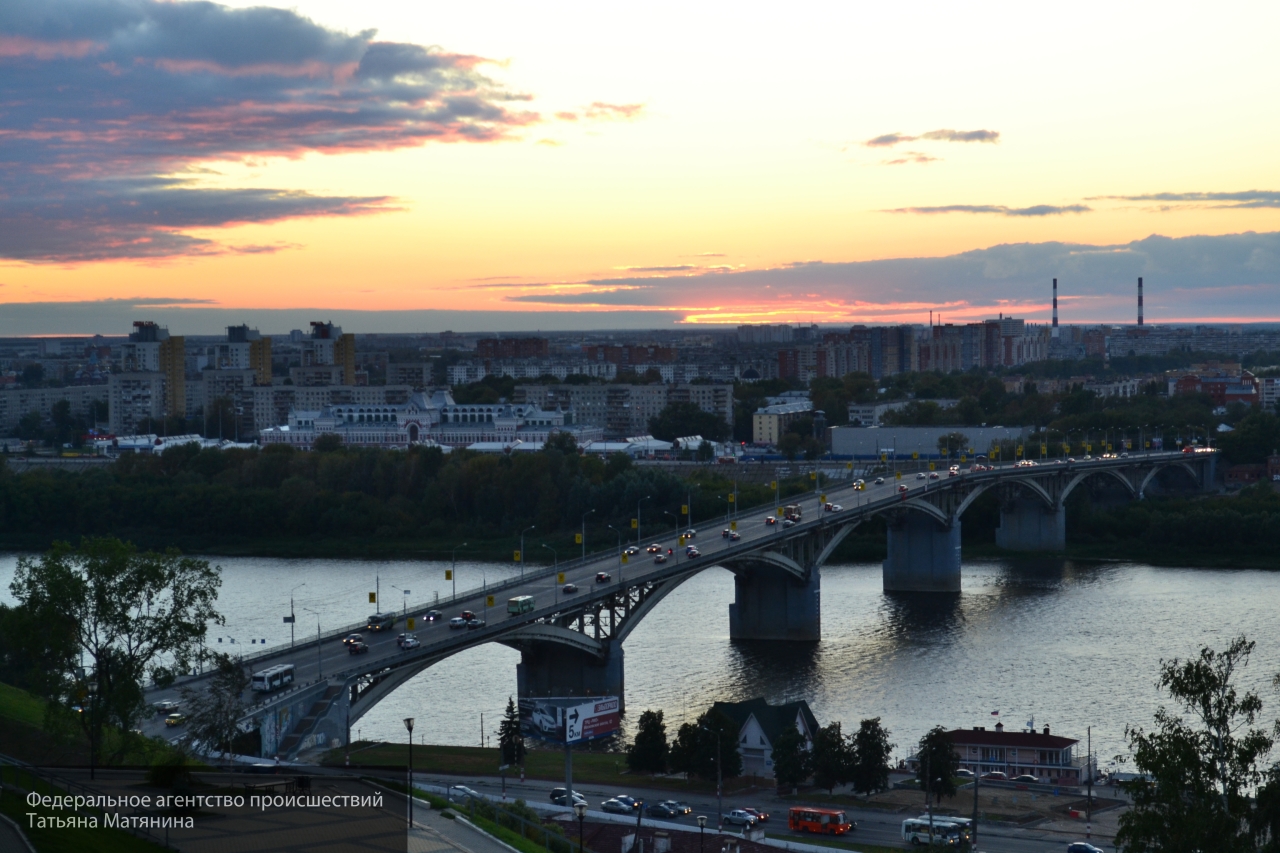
[928,797]
[1088,767]
[977,780]
[584,533]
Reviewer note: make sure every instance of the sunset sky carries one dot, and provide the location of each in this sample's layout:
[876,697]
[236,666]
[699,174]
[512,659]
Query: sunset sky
[516,166]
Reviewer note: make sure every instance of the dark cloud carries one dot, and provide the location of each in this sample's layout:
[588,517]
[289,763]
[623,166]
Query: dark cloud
[1000,210]
[888,140]
[632,295]
[1244,199]
[962,135]
[679,268]
[101,97]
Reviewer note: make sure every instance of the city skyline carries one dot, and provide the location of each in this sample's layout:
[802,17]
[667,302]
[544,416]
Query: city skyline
[518,169]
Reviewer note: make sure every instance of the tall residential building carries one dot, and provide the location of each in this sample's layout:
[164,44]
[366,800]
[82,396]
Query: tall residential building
[328,345]
[151,349]
[133,398]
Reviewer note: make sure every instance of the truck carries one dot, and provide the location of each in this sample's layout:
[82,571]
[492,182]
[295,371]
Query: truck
[792,512]
[520,604]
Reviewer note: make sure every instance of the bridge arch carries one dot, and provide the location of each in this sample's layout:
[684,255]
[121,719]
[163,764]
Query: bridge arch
[1110,472]
[1150,475]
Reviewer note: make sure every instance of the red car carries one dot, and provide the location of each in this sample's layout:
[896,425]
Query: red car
[760,816]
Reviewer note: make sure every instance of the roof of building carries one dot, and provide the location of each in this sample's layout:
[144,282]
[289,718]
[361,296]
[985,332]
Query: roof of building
[773,719]
[984,737]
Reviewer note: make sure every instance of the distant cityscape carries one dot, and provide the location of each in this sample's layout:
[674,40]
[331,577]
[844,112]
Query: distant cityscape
[603,388]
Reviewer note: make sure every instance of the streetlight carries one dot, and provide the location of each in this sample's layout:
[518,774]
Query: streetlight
[719,779]
[555,576]
[642,500]
[584,533]
[702,832]
[581,810]
[408,724]
[454,572]
[319,656]
[522,533]
[291,620]
[405,604]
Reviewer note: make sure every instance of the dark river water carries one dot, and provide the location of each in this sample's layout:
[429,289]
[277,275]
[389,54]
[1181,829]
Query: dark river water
[1069,645]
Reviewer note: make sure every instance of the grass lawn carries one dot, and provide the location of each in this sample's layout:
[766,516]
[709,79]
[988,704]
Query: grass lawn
[599,768]
[839,845]
[18,704]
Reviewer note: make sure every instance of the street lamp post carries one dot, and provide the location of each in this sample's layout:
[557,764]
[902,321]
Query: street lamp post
[291,618]
[319,655]
[408,724]
[581,810]
[584,533]
[454,572]
[619,532]
[522,533]
[702,833]
[719,780]
[555,579]
[642,500]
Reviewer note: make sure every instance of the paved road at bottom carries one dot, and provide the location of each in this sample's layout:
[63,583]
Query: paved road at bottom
[874,826]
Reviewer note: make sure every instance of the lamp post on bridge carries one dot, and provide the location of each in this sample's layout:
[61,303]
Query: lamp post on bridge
[291,615]
[619,533]
[522,533]
[453,573]
[319,655]
[408,724]
[555,579]
[584,533]
[639,544]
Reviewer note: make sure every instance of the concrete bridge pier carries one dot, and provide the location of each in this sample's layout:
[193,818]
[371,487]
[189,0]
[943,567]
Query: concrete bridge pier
[1026,524]
[771,603]
[554,669]
[924,555]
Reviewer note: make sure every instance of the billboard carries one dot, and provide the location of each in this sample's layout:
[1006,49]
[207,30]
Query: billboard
[569,719]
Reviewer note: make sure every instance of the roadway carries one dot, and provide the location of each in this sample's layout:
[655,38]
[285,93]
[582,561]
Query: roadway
[438,639]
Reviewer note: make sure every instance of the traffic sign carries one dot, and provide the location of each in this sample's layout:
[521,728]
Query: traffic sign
[681,541]
[684,509]
[932,467]
[822,498]
[560,578]
[577,539]
[635,524]
[733,499]
[897,475]
[515,556]
[448,574]
[373,598]
[409,623]
[915,454]
[488,600]
[624,557]
[813,475]
[773,484]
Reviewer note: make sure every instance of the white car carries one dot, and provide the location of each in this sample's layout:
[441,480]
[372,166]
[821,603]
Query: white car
[920,476]
[457,622]
[461,793]
[738,817]
[410,642]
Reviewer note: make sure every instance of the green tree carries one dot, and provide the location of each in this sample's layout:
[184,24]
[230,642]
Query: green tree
[648,753]
[135,616]
[33,375]
[220,418]
[871,751]
[791,759]
[790,445]
[832,757]
[563,442]
[327,443]
[694,751]
[30,427]
[214,707]
[1204,762]
[705,452]
[953,444]
[510,739]
[678,420]
[940,761]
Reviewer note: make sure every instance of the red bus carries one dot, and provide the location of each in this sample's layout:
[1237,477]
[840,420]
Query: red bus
[810,819]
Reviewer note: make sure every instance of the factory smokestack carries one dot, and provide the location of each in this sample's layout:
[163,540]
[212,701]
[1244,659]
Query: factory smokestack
[1139,300]
[1055,308]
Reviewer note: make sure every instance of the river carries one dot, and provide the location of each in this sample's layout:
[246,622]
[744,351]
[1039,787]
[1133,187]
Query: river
[1070,645]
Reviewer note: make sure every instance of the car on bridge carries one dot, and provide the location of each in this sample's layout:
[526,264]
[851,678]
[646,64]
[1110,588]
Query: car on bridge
[788,522]
[615,806]
[769,519]
[461,793]
[569,588]
[473,624]
[168,706]
[692,552]
[920,476]
[358,648]
[407,641]
[433,616]
[353,638]
[690,533]
[402,637]
[660,558]
[933,475]
[632,550]
[654,548]
[602,577]
[631,802]
[734,536]
[995,776]
[457,622]
[879,481]
[903,488]
[174,720]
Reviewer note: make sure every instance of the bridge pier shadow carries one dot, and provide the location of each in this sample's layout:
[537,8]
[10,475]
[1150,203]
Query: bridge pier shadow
[771,603]
[1026,524]
[924,555]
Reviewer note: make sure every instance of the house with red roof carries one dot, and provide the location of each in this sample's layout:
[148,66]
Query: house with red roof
[1050,758]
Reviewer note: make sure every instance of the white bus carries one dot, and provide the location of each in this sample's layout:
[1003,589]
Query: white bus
[965,824]
[273,678]
[944,833]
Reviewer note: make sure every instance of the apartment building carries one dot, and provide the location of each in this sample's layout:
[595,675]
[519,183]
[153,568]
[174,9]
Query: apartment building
[16,402]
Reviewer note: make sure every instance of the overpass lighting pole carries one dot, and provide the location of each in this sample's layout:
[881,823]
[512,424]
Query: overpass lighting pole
[406,600]
[408,724]
[555,581]
[291,616]
[522,533]
[454,573]
[584,533]
[319,655]
[619,532]
[719,779]
[639,544]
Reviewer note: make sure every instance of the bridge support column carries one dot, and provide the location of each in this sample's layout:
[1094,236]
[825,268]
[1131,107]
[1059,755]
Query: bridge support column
[1026,524]
[773,604]
[553,669]
[924,556]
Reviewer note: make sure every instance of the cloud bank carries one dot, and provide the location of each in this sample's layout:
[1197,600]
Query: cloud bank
[888,140]
[999,210]
[1244,199]
[110,105]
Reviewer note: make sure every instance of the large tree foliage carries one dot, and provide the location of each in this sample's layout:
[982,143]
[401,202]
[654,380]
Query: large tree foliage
[695,748]
[214,706]
[791,759]
[1204,763]
[871,750]
[648,752]
[510,739]
[680,420]
[939,761]
[133,616]
[832,757]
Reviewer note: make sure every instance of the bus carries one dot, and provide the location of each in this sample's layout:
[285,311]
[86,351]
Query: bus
[965,824]
[519,604]
[944,832]
[273,678]
[793,512]
[381,622]
[826,821]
